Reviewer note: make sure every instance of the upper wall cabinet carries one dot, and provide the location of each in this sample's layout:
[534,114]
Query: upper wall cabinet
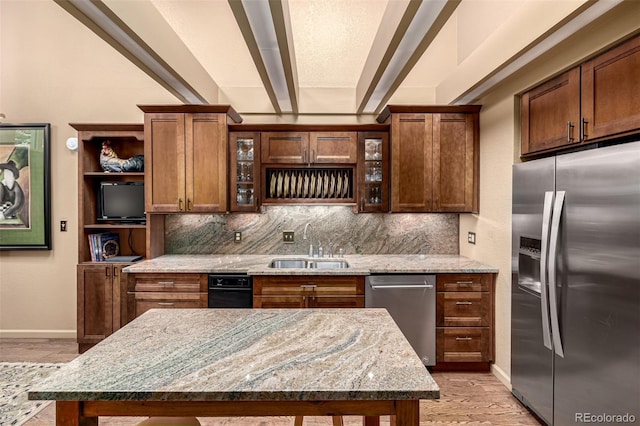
[187,157]
[309,147]
[589,103]
[434,158]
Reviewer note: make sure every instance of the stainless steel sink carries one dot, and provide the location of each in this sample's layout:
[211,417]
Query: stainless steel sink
[308,263]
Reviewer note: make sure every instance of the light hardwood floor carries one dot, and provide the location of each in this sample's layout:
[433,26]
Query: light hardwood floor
[465,398]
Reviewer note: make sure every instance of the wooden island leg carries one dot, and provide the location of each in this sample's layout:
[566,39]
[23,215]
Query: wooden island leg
[407,413]
[371,421]
[69,413]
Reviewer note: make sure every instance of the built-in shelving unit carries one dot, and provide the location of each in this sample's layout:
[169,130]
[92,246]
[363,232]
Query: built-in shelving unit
[101,285]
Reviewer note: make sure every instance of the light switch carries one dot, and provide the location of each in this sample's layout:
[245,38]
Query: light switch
[471,237]
[63,226]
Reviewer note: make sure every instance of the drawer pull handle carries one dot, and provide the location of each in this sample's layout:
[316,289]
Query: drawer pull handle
[165,304]
[308,286]
[464,282]
[463,338]
[166,283]
[464,303]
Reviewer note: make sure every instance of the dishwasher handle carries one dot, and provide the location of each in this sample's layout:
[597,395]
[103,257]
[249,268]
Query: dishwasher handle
[378,287]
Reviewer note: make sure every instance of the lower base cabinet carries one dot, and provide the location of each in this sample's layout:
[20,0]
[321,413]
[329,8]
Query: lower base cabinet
[464,321]
[101,308]
[308,291]
[165,291]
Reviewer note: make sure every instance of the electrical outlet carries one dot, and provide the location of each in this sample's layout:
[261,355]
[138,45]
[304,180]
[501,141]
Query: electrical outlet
[471,237]
[288,236]
[237,236]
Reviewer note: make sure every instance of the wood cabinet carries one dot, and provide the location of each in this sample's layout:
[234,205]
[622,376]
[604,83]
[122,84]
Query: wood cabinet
[186,152]
[244,175]
[373,172]
[101,310]
[321,291]
[464,321]
[550,113]
[165,291]
[588,103]
[100,305]
[434,158]
[610,93]
[309,147]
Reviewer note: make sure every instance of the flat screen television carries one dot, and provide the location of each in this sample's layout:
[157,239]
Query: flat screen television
[122,202]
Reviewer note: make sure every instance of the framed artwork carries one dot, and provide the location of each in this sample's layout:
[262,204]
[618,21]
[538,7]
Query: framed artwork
[25,203]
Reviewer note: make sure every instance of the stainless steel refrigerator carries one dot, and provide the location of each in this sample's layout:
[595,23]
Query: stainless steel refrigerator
[575,328]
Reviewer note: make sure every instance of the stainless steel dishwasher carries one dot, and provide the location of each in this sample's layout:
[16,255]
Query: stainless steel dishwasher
[411,301]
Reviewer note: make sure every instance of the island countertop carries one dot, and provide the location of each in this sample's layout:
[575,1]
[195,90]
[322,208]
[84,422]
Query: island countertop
[247,355]
[358,265]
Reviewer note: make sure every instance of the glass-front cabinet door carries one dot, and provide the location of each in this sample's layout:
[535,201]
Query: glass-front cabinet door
[244,153]
[373,172]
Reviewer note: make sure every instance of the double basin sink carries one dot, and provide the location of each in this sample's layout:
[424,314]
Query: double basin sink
[308,263]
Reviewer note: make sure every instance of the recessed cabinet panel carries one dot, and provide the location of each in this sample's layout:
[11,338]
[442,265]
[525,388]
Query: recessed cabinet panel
[455,163]
[285,147]
[206,171]
[412,162]
[550,114]
[610,92]
[165,159]
[333,147]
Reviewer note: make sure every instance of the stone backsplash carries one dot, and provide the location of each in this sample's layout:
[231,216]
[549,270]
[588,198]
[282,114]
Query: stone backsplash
[338,225]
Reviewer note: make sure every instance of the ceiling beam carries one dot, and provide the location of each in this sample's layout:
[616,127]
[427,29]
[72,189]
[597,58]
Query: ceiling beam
[105,23]
[266,29]
[396,52]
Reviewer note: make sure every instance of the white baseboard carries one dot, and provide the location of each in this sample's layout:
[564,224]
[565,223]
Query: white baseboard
[501,375]
[38,334]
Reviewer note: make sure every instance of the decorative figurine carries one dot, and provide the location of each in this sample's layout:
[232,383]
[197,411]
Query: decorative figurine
[111,163]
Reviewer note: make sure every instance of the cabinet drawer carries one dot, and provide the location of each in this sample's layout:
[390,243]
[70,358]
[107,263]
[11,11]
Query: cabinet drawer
[171,283]
[308,301]
[463,344]
[464,282]
[299,285]
[162,300]
[471,309]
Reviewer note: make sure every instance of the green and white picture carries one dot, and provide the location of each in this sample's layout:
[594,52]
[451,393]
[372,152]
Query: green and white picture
[24,187]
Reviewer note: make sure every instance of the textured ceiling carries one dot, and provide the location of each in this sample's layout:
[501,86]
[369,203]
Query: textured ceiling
[339,48]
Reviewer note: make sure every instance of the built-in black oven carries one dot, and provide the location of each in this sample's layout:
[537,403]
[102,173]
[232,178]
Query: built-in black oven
[230,291]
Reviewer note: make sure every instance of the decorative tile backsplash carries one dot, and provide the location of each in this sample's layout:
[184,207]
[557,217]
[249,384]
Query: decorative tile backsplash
[336,225]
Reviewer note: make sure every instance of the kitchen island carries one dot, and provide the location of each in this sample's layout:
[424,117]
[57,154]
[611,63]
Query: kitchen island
[239,362]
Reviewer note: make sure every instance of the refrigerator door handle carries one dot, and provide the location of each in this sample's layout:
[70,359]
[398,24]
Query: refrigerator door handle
[544,297]
[553,253]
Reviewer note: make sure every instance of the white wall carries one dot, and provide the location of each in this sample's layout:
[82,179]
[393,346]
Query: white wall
[54,70]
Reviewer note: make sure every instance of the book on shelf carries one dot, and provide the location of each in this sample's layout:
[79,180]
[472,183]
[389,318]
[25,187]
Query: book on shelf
[104,246]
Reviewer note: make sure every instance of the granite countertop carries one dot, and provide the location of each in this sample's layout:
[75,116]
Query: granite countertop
[247,355]
[358,265]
